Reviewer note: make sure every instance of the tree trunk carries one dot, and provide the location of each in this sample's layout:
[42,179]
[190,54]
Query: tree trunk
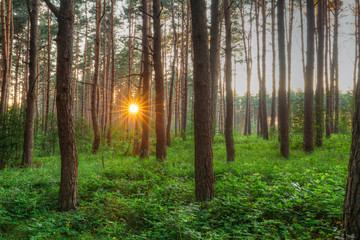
[308,141]
[229,118]
[5,55]
[273,96]
[48,73]
[83,99]
[336,67]
[159,85]
[168,127]
[18,57]
[264,123]
[214,59]
[204,173]
[112,84]
[283,111]
[327,90]
[94,96]
[289,49]
[351,221]
[68,149]
[27,159]
[319,96]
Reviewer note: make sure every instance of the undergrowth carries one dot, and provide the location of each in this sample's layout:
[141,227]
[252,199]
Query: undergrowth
[259,196]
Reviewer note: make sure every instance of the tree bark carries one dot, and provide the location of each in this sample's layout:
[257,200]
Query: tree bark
[308,141]
[336,67]
[112,84]
[204,173]
[27,159]
[229,118]
[351,221]
[64,99]
[175,39]
[5,55]
[273,96]
[94,96]
[264,122]
[283,111]
[319,96]
[159,85]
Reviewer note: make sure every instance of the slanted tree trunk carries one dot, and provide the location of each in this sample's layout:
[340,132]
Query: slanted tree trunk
[94,96]
[204,173]
[27,158]
[229,118]
[67,142]
[283,111]
[159,85]
[308,140]
[319,96]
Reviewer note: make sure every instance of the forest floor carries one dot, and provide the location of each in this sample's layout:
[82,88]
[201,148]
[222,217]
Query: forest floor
[259,196]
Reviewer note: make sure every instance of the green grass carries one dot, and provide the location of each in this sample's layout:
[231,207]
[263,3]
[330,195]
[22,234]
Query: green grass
[259,196]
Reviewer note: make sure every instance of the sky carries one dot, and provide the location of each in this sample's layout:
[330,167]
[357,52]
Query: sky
[346,55]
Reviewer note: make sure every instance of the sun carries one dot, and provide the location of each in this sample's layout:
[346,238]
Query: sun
[133,108]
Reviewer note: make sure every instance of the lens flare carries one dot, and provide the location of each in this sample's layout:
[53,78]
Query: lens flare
[133,108]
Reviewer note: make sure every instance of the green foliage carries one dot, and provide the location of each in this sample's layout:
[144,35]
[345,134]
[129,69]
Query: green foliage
[259,196]
[12,123]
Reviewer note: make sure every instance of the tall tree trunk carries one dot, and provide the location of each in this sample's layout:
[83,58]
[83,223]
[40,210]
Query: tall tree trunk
[319,96]
[168,127]
[264,123]
[273,96]
[336,67]
[289,49]
[283,111]
[26,69]
[48,72]
[229,121]
[159,85]
[144,151]
[327,90]
[351,221]
[68,148]
[104,76]
[5,56]
[83,100]
[27,159]
[94,96]
[257,24]
[214,59]
[204,173]
[112,83]
[184,100]
[308,141]
[247,40]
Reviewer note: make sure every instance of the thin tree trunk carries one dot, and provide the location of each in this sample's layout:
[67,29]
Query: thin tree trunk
[168,127]
[308,141]
[336,67]
[94,97]
[229,118]
[319,96]
[283,111]
[83,89]
[159,85]
[5,52]
[289,49]
[273,97]
[27,159]
[264,122]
